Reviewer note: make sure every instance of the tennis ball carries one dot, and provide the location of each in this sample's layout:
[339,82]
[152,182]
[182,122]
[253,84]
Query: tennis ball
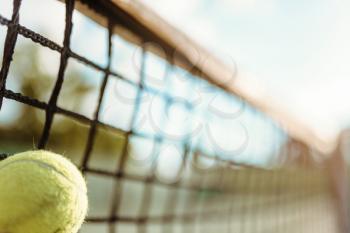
[41,192]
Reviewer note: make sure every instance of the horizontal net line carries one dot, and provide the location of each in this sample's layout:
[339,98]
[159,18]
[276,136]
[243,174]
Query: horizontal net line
[185,185]
[188,217]
[37,38]
[204,214]
[83,119]
[42,105]
[76,116]
[147,180]
[156,138]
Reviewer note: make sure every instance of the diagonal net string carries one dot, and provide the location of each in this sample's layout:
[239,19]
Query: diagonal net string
[51,108]
[10,43]
[94,123]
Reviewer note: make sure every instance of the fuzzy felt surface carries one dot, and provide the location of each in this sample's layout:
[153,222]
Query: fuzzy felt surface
[41,192]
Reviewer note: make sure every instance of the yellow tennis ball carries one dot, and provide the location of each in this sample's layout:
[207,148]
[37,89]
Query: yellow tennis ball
[41,192]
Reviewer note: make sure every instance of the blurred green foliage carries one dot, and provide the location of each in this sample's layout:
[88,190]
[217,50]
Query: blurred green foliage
[67,134]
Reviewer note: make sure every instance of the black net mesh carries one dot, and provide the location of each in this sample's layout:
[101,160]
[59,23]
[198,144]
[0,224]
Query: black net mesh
[156,181]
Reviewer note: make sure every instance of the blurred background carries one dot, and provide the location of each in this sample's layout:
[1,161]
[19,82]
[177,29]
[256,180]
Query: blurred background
[296,52]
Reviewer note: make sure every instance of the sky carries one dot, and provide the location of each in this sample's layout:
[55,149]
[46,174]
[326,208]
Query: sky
[298,51]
